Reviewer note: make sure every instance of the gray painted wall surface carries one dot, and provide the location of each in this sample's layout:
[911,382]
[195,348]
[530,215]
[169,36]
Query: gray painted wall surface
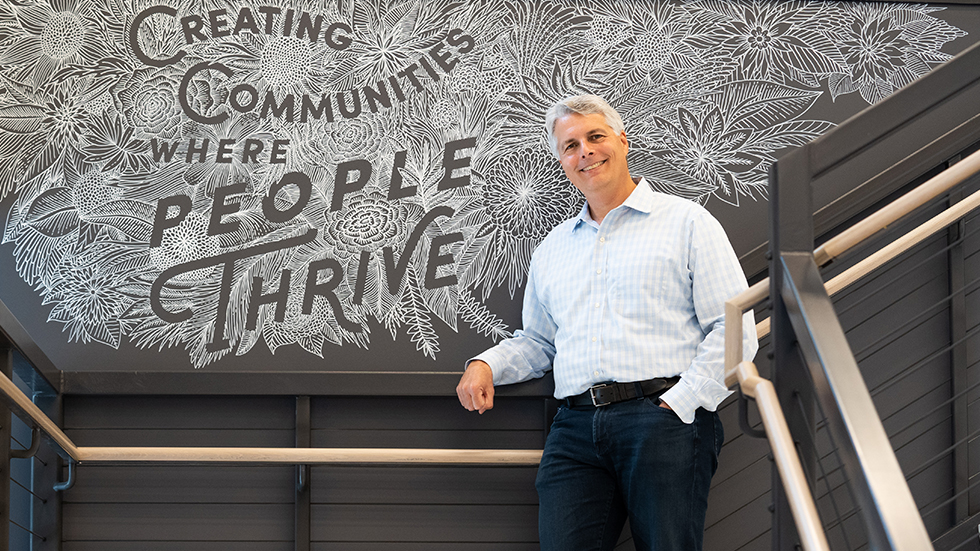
[475,509]
[906,364]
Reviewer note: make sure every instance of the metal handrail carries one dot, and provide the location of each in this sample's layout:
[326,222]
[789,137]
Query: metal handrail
[954,175]
[788,464]
[887,215]
[744,373]
[736,372]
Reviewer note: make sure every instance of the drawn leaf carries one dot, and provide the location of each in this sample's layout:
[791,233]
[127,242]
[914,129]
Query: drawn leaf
[481,318]
[52,212]
[419,323]
[133,218]
[761,104]
[21,119]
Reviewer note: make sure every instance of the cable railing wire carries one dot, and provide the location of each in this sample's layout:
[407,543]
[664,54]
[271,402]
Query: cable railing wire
[824,477]
[967,288]
[932,460]
[903,276]
[29,531]
[911,369]
[910,403]
[28,490]
[966,542]
[955,496]
[943,405]
[938,456]
[833,488]
[918,265]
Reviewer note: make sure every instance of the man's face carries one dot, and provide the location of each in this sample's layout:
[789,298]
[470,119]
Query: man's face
[592,154]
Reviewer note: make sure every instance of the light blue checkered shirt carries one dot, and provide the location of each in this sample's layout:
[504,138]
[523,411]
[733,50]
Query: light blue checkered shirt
[640,296]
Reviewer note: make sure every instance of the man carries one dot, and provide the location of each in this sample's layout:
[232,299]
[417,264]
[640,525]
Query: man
[626,303]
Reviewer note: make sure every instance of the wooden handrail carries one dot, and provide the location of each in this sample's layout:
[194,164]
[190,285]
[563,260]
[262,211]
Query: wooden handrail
[788,464]
[866,266]
[19,402]
[744,373]
[787,461]
[889,214]
[296,456]
[310,456]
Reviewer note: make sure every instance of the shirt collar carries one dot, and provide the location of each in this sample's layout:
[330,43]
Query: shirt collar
[641,200]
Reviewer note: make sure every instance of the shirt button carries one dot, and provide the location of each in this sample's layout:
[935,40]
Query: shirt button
[597,305]
[596,373]
[602,240]
[593,339]
[599,271]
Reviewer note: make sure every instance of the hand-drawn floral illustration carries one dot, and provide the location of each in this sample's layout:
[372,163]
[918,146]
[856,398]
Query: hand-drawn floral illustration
[218,175]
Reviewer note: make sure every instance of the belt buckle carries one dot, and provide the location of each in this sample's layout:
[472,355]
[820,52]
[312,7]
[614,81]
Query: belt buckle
[592,390]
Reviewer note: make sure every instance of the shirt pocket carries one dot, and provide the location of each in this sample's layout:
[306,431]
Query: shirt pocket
[641,283]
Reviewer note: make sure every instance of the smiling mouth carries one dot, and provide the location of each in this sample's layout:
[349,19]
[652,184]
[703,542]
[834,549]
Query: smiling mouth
[590,167]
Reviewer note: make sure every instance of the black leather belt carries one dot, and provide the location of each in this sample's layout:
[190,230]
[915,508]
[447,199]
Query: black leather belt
[604,394]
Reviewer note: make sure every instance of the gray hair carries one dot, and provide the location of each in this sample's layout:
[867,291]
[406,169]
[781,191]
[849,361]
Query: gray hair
[583,105]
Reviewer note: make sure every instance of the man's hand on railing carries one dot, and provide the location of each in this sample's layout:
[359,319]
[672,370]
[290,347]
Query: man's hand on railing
[475,388]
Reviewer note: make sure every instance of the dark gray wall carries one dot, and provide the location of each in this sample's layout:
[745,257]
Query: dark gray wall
[386,508]
[415,508]
[896,321]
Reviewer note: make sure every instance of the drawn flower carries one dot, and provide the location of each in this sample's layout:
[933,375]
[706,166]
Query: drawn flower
[286,61]
[773,40]
[366,223]
[527,194]
[887,47]
[465,78]
[656,50]
[188,241]
[444,113]
[50,36]
[64,118]
[728,140]
[702,145]
[347,138]
[384,43]
[99,105]
[87,302]
[149,102]
[500,80]
[109,142]
[39,132]
[607,31]
[874,51]
[91,192]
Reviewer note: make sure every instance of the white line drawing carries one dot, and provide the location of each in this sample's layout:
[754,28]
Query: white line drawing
[217,175]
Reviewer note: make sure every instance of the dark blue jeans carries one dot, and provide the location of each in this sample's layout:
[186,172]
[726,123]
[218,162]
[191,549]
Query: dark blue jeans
[631,460]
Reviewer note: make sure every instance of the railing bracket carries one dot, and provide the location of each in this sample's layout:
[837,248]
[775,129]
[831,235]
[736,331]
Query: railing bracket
[66,485]
[30,450]
[302,477]
[743,417]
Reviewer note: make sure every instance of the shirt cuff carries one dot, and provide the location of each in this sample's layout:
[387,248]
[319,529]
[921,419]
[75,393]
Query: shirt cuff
[486,358]
[685,400]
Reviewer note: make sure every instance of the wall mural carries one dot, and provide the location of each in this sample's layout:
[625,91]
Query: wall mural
[219,174]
